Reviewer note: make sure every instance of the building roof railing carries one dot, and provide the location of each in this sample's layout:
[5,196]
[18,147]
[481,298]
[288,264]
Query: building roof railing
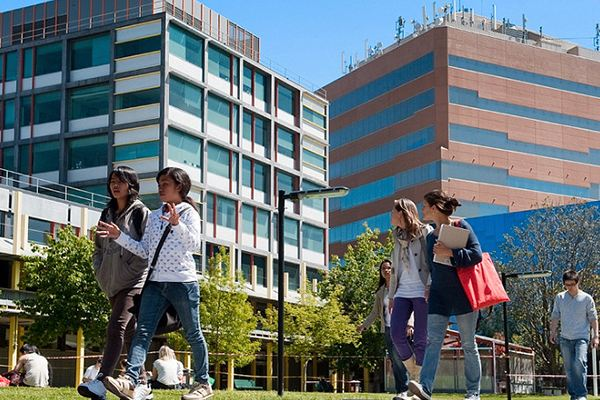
[52,189]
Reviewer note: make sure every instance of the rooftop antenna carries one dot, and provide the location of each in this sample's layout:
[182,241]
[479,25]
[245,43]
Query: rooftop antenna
[366,48]
[425,18]
[597,38]
[453,10]
[493,17]
[343,64]
[524,29]
[400,28]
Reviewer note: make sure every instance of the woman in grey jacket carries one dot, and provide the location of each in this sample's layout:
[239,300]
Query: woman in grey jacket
[120,273]
[380,310]
[409,284]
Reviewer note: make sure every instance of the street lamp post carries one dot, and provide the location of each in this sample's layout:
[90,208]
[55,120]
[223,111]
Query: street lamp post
[337,191]
[505,276]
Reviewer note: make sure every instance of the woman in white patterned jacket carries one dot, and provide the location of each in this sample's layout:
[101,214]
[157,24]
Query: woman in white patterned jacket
[173,282]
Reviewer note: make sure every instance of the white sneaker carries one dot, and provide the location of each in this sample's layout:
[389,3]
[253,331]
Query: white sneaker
[121,387]
[142,391]
[93,389]
[472,397]
[199,391]
[401,396]
[418,390]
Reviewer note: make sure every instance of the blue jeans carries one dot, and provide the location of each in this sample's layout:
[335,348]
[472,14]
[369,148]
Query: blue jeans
[574,354]
[436,331]
[400,374]
[156,297]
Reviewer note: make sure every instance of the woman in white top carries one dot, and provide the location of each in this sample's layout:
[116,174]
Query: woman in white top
[173,282]
[167,371]
[409,284]
[32,366]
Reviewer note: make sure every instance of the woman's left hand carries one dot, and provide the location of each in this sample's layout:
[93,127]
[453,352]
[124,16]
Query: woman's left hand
[440,249]
[173,218]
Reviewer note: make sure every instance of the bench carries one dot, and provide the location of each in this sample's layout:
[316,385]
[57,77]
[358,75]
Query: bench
[245,384]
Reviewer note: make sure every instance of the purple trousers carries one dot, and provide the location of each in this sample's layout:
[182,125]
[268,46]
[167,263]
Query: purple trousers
[401,312]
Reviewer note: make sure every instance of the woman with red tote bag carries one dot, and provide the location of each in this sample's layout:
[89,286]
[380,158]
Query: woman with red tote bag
[447,298]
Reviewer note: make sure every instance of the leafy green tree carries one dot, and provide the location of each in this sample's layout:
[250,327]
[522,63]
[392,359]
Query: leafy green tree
[312,327]
[67,295]
[226,314]
[353,283]
[552,239]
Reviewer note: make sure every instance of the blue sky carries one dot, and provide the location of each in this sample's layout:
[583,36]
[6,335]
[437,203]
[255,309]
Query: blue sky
[307,38]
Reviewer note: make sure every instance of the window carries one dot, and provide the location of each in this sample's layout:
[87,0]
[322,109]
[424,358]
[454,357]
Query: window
[218,111]
[247,83]
[290,232]
[11,66]
[45,157]
[48,58]
[185,96]
[313,273]
[87,152]
[219,161]
[8,158]
[137,150]
[137,99]
[90,51]
[285,142]
[314,117]
[47,107]
[225,210]
[293,275]
[139,46]
[260,86]
[262,223]
[88,101]
[261,129]
[219,62]
[260,172]
[248,219]
[285,182]
[38,230]
[185,148]
[246,266]
[25,111]
[28,62]
[317,204]
[313,238]
[314,159]
[285,99]
[185,45]
[9,114]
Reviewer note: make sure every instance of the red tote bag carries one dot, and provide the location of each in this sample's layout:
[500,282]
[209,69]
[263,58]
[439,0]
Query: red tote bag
[481,284]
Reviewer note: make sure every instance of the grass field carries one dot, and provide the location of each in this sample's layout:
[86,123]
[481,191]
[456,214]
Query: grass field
[13,393]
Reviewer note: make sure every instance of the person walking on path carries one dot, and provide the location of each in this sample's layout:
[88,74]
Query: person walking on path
[576,312]
[409,284]
[119,272]
[173,282]
[381,310]
[447,298]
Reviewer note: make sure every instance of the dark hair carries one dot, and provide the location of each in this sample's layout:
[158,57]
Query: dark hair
[444,203]
[129,176]
[381,278]
[571,275]
[29,349]
[182,179]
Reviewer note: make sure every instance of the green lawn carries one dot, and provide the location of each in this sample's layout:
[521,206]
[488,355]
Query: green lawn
[12,393]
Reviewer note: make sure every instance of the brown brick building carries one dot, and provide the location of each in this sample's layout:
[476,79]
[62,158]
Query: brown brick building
[502,122]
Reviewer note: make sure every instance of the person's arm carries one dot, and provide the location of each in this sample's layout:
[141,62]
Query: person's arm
[375,310]
[554,318]
[111,230]
[592,316]
[154,371]
[470,254]
[187,230]
[20,364]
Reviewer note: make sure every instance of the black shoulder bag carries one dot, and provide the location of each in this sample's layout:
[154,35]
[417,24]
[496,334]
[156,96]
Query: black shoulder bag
[170,321]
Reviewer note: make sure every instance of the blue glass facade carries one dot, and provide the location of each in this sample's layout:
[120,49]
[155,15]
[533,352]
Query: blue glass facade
[500,176]
[387,186]
[500,140]
[381,154]
[523,76]
[390,116]
[470,98]
[401,76]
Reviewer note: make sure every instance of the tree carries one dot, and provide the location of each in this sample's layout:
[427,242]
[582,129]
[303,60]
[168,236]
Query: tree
[553,239]
[67,295]
[226,314]
[353,282]
[312,327]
